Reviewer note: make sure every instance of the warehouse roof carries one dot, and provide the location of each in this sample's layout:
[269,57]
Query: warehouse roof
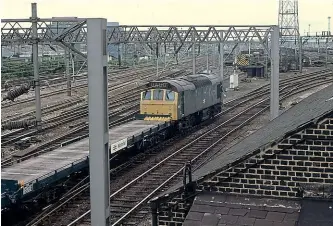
[226,209]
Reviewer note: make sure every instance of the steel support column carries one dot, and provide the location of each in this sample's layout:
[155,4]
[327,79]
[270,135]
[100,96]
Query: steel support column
[98,122]
[300,55]
[222,61]
[326,53]
[266,59]
[207,49]
[165,53]
[274,107]
[1,57]
[68,74]
[119,56]
[157,57]
[36,65]
[193,58]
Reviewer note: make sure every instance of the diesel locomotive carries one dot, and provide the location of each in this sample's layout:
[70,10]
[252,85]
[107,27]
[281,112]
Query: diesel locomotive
[185,101]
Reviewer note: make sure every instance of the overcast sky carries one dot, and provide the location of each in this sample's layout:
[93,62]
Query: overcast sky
[185,12]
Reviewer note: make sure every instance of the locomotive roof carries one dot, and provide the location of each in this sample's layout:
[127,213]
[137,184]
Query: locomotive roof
[189,82]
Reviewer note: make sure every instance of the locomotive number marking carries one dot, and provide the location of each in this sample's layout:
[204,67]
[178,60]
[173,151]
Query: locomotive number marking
[159,85]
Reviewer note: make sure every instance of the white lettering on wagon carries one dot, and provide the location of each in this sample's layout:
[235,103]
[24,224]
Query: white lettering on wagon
[118,145]
[28,188]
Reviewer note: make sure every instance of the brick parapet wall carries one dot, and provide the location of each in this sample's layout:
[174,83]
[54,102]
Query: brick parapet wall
[307,158]
[174,211]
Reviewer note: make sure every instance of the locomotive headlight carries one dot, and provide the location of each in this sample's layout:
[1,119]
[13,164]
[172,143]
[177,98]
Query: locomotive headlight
[21,183]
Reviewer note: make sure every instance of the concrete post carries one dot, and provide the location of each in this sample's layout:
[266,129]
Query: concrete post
[274,107]
[36,65]
[98,122]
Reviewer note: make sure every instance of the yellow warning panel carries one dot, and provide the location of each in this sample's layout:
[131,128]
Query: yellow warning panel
[161,119]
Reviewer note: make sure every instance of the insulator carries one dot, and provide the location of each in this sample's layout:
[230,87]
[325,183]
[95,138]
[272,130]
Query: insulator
[18,124]
[12,94]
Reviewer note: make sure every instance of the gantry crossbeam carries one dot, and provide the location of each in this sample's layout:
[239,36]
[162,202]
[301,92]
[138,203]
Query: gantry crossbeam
[19,31]
[54,30]
[188,34]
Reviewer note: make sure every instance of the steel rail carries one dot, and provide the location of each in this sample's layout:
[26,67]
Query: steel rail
[8,160]
[133,72]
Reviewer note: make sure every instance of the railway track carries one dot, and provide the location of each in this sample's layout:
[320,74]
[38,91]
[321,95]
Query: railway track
[126,200]
[121,93]
[61,78]
[125,96]
[44,79]
[128,103]
[64,118]
[118,81]
[115,86]
[116,76]
[52,93]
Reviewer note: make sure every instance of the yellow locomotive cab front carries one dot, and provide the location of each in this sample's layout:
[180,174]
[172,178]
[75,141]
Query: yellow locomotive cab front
[159,104]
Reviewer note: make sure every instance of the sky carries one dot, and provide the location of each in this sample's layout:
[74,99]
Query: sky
[173,12]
